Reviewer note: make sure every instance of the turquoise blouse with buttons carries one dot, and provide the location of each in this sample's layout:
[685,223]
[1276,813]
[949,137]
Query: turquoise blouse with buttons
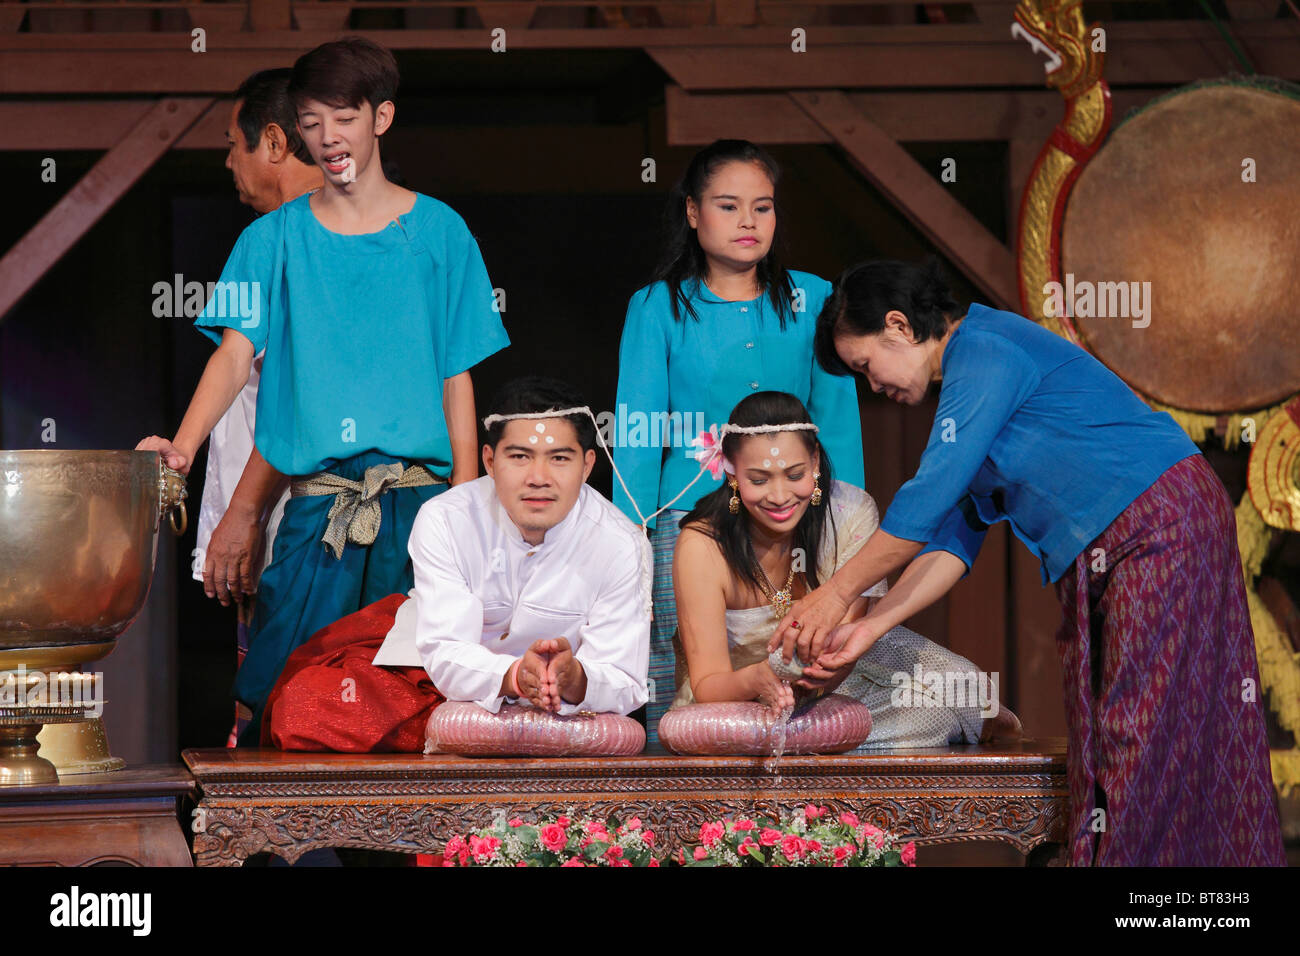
[360,331]
[676,378]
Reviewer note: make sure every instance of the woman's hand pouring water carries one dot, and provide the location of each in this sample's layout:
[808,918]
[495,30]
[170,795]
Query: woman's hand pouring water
[768,689]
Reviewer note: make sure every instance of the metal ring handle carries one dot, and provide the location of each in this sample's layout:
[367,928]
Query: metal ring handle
[185,519]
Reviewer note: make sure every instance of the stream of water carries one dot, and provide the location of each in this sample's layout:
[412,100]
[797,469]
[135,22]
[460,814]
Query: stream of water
[773,764]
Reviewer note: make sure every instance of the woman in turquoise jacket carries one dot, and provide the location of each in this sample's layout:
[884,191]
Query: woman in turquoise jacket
[722,319]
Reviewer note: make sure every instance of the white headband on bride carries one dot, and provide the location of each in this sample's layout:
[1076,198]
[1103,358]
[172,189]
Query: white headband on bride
[709,443]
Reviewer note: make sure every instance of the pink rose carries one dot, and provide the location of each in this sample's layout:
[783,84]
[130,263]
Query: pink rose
[849,819]
[521,863]
[880,840]
[653,862]
[909,854]
[614,852]
[769,836]
[744,845]
[622,863]
[483,848]
[841,852]
[516,822]
[710,833]
[553,837]
[573,862]
[745,825]
[812,846]
[634,823]
[598,831]
[648,837]
[813,812]
[700,853]
[791,847]
[562,821]
[867,831]
[455,846]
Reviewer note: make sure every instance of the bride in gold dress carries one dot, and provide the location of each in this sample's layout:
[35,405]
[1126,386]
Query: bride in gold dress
[777,527]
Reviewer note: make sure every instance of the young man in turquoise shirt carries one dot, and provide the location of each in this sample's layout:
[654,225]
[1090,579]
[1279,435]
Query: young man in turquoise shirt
[372,303]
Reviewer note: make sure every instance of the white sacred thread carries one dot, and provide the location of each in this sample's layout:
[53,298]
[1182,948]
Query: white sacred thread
[647,559]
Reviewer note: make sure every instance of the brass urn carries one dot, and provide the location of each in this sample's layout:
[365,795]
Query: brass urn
[78,540]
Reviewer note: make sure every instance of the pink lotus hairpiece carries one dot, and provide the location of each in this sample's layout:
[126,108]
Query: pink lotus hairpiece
[710,452]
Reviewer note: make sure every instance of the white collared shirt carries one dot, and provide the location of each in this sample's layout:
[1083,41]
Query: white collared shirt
[483,595]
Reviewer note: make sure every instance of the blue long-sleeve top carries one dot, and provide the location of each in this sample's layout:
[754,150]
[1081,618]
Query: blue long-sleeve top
[1034,431]
[692,373]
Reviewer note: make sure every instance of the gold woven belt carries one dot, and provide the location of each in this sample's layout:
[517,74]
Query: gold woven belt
[355,515]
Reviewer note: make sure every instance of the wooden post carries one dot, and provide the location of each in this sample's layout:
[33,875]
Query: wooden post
[944,221]
[83,205]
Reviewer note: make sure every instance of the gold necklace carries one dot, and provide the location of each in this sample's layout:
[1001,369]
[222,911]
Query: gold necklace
[781,600]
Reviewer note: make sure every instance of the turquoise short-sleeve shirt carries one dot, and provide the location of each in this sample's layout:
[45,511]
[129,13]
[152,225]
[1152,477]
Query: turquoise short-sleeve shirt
[360,331]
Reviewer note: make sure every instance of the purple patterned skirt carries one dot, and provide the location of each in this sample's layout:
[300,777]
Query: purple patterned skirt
[1168,764]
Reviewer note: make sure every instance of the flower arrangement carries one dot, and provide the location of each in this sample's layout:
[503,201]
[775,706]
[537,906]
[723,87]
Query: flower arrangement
[811,837]
[566,841]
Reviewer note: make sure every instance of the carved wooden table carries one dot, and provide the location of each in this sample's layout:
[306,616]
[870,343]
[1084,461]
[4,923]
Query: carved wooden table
[127,816]
[270,801]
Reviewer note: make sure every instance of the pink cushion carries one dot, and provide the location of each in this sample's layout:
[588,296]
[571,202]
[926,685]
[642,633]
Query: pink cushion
[461,727]
[832,725]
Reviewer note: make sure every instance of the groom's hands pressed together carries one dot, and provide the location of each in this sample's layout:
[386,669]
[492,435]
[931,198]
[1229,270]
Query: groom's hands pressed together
[529,676]
[565,678]
[547,675]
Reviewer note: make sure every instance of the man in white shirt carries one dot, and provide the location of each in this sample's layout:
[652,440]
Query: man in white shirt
[529,586]
[270,166]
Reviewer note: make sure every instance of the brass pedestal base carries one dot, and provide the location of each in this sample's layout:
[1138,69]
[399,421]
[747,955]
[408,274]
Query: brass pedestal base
[32,700]
[20,765]
[79,746]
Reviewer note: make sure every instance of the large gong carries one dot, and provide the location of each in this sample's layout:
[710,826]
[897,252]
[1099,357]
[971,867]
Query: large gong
[1197,194]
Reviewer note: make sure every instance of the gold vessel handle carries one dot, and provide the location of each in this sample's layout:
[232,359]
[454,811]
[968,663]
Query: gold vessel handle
[171,497]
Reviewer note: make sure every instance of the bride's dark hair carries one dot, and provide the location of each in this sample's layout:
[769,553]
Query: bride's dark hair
[731,532]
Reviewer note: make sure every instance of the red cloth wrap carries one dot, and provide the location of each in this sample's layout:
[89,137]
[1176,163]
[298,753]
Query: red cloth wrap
[385,710]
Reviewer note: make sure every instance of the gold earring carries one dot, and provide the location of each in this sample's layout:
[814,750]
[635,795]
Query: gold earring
[817,489]
[734,504]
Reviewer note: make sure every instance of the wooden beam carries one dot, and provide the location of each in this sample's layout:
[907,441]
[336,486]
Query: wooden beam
[1021,156]
[773,118]
[692,118]
[918,194]
[50,125]
[83,205]
[1140,53]
[1155,53]
[977,612]
[270,14]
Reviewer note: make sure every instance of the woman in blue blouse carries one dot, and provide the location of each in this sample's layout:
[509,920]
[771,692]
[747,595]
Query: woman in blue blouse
[1168,761]
[723,319]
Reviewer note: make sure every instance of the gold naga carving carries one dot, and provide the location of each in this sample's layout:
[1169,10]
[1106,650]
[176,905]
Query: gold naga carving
[1073,63]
